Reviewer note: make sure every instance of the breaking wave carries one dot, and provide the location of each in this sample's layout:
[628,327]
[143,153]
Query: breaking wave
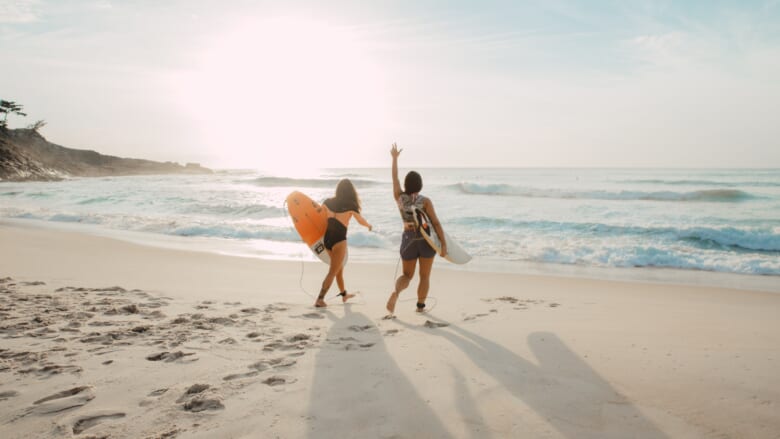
[708,195]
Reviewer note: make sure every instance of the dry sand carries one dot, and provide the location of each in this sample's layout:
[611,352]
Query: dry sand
[103,338]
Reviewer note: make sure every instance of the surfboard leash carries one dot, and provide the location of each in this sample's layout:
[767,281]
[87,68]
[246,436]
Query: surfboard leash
[300,279]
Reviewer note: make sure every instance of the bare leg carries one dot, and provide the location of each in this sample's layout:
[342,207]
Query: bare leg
[401,283]
[340,282]
[426,265]
[340,279]
[336,265]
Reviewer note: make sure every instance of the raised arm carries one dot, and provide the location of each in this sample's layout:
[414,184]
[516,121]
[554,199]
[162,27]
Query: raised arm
[395,152]
[428,206]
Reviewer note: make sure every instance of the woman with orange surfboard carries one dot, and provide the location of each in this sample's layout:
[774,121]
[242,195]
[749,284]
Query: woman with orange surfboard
[340,209]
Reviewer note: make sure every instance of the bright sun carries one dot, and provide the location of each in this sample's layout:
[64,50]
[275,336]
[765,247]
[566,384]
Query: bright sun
[286,93]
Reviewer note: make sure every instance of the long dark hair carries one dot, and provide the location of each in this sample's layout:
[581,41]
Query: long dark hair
[346,197]
[412,183]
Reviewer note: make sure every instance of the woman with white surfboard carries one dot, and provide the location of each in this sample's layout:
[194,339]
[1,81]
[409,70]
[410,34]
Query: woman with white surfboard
[340,208]
[414,208]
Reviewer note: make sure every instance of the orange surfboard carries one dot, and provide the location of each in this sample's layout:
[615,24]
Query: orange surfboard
[310,220]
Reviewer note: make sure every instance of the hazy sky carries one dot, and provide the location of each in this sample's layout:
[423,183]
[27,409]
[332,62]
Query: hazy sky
[283,84]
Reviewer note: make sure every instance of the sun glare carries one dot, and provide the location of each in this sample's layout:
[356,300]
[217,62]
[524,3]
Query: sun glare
[285,93]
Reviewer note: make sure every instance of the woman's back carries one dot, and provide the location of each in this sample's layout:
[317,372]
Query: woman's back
[407,204]
[340,210]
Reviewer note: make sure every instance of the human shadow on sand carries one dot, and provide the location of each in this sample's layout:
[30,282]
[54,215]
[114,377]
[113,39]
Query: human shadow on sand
[562,388]
[358,390]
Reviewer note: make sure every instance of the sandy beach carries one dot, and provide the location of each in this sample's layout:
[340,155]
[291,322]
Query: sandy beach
[102,338]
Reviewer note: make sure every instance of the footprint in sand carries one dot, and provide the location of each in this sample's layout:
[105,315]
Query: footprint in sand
[86,422]
[340,339]
[198,401]
[260,366]
[275,363]
[51,370]
[155,315]
[270,347]
[151,398]
[61,401]
[199,404]
[358,346]
[311,315]
[8,394]
[169,356]
[193,390]
[474,316]
[224,321]
[358,328]
[24,358]
[293,343]
[98,338]
[141,329]
[237,376]
[127,309]
[519,304]
[278,380]
[298,337]
[275,307]
[79,315]
[115,290]
[430,324]
[158,392]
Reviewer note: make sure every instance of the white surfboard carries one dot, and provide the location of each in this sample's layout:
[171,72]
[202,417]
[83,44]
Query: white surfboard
[455,253]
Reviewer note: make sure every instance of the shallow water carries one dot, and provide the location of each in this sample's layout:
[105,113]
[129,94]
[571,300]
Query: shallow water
[540,220]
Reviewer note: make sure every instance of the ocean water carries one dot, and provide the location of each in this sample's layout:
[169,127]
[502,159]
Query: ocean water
[553,220]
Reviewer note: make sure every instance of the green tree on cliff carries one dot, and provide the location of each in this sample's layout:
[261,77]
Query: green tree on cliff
[37,125]
[9,107]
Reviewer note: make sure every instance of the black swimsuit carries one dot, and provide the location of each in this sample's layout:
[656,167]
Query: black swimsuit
[335,233]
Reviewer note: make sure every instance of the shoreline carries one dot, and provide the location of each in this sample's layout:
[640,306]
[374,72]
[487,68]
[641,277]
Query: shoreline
[246,249]
[124,340]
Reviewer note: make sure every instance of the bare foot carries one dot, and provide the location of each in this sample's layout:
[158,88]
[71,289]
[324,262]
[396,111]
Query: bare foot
[421,309]
[391,302]
[320,303]
[346,297]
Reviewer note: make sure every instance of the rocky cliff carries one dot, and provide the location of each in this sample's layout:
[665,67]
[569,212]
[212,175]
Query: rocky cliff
[25,155]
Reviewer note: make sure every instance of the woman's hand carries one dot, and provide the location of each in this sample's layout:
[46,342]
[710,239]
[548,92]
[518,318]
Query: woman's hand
[395,152]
